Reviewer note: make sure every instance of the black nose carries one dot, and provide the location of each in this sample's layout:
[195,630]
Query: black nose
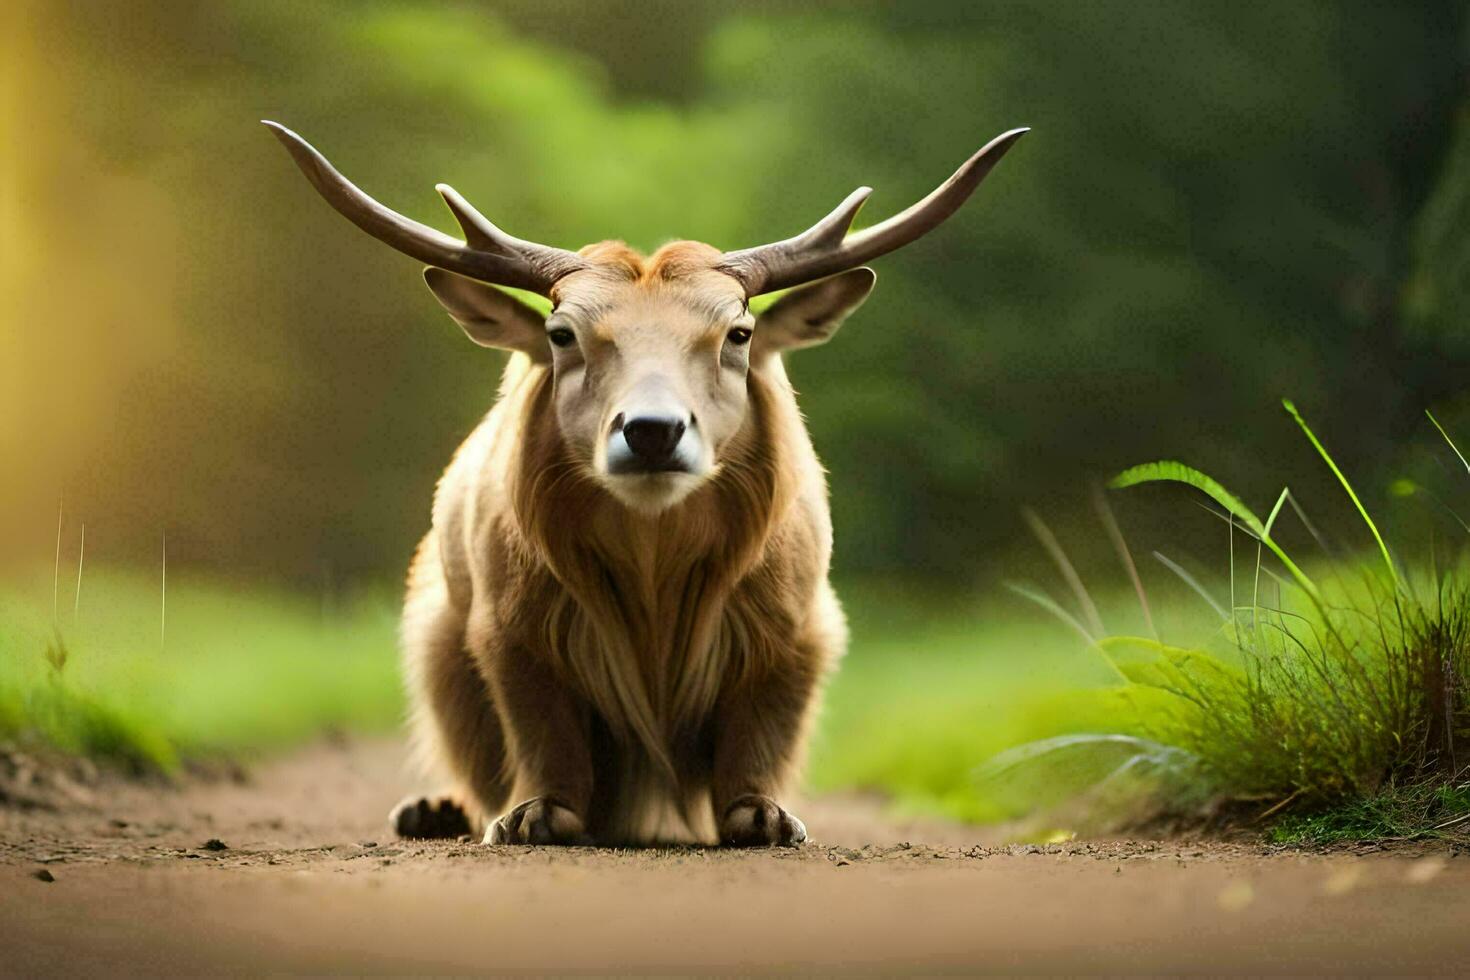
[653,438]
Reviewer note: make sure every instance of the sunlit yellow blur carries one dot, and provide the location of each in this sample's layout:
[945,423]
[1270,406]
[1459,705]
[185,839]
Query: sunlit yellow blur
[89,272]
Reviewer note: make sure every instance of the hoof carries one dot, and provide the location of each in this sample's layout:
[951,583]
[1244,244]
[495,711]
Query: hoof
[757,821]
[425,817]
[540,820]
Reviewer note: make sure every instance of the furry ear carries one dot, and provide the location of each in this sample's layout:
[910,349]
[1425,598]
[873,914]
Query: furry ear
[491,317]
[810,316]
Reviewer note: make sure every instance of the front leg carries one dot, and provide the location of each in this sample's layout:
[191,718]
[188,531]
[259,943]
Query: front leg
[546,734]
[762,728]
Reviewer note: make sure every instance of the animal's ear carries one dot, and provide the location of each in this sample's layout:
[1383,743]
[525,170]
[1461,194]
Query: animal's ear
[491,317]
[811,315]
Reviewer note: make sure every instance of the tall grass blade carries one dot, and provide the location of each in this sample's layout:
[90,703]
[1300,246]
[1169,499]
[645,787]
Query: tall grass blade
[1009,759]
[81,556]
[1172,471]
[1233,604]
[1064,565]
[1271,521]
[1120,545]
[1256,593]
[1447,439]
[1301,515]
[1362,511]
[56,574]
[1256,586]
[1191,581]
[1052,606]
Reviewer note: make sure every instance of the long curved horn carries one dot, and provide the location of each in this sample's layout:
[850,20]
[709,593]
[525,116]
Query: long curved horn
[487,254]
[826,249]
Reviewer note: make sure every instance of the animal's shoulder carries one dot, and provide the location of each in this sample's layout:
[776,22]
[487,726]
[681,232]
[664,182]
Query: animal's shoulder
[472,504]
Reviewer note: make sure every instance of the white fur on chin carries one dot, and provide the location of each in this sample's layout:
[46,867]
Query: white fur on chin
[651,494]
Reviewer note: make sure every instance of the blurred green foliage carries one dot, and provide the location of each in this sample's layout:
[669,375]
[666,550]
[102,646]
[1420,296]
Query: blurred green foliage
[1220,204]
[221,672]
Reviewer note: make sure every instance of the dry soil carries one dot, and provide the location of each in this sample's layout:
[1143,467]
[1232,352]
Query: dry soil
[292,869]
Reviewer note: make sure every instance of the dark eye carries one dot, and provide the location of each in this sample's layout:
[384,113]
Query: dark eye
[738,336]
[561,337]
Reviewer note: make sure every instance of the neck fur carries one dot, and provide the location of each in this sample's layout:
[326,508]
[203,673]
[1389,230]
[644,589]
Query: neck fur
[642,625]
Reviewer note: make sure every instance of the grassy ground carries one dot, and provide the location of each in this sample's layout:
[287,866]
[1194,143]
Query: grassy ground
[1332,700]
[932,690]
[929,690]
[1413,812]
[235,670]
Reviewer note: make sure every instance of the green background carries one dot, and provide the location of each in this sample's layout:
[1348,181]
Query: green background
[1219,205]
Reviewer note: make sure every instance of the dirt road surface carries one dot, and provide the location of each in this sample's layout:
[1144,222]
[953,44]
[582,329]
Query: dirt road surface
[292,870]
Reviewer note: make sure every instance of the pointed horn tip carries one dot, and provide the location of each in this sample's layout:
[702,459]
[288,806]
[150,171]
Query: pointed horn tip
[996,148]
[462,209]
[455,200]
[854,202]
[457,203]
[1004,140]
[290,139]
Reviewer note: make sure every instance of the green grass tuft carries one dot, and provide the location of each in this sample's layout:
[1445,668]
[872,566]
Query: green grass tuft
[1415,812]
[934,686]
[241,671]
[1346,708]
[1317,707]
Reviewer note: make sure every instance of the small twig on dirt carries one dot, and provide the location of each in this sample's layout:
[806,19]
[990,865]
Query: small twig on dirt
[1278,806]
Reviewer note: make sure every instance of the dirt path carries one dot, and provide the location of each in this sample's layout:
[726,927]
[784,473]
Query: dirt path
[308,881]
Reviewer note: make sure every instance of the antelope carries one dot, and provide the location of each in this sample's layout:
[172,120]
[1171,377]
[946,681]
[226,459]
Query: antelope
[617,629]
